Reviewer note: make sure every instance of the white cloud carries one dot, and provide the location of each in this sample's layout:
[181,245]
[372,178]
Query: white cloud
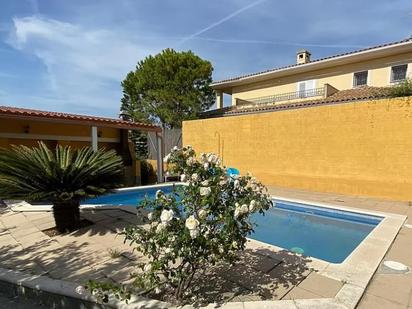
[84,66]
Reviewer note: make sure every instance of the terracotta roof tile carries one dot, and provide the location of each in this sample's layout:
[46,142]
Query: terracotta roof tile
[313,61]
[21,113]
[361,93]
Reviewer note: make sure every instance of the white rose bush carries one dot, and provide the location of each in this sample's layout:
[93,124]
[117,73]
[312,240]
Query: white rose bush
[203,222]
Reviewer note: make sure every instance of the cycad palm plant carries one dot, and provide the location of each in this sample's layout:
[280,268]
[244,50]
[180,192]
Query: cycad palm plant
[64,177]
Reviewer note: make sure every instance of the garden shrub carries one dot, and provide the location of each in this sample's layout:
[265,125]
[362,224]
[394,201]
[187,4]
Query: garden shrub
[402,89]
[202,223]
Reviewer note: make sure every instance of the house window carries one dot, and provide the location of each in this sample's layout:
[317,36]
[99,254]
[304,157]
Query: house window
[398,73]
[304,88]
[360,78]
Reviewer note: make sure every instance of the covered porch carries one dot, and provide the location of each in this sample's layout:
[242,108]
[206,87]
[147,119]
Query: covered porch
[19,126]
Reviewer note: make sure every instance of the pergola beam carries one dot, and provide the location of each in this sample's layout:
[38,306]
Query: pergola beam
[159,159]
[94,138]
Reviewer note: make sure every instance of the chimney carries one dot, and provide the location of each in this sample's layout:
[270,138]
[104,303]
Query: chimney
[302,56]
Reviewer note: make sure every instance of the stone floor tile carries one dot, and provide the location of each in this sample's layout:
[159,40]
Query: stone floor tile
[46,225]
[29,240]
[76,274]
[31,216]
[321,285]
[246,296]
[217,289]
[298,293]
[14,220]
[40,221]
[18,232]
[369,301]
[122,274]
[7,240]
[257,261]
[394,287]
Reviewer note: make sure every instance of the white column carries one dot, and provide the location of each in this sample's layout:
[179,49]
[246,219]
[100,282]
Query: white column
[219,99]
[159,149]
[94,138]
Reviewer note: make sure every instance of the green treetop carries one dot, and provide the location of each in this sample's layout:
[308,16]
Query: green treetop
[168,88]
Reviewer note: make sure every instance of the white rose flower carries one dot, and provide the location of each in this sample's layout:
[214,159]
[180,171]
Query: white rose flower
[160,227]
[182,178]
[211,158]
[252,205]
[207,232]
[206,166]
[157,290]
[244,208]
[192,223]
[203,157]
[166,158]
[80,290]
[175,148]
[205,183]
[194,233]
[237,212]
[159,193]
[221,250]
[202,214]
[166,215]
[190,161]
[204,191]
[195,177]
[168,250]
[150,216]
[147,267]
[236,183]
[154,224]
[234,245]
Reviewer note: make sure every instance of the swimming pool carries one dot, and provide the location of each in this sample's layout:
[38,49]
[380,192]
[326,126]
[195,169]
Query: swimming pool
[324,233]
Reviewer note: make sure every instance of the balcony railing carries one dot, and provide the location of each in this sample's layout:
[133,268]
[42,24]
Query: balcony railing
[315,92]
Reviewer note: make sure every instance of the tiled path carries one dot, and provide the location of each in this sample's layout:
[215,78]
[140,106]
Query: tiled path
[84,255]
[386,290]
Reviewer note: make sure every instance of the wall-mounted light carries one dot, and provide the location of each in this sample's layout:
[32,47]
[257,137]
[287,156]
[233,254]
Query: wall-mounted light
[26,129]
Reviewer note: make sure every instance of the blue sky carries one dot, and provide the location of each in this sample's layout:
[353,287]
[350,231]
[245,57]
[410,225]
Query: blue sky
[71,56]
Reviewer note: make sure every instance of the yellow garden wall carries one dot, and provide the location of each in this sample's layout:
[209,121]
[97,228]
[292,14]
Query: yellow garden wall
[362,148]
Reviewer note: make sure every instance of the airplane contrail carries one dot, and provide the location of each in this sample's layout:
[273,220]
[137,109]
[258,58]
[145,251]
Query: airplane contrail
[221,21]
[286,43]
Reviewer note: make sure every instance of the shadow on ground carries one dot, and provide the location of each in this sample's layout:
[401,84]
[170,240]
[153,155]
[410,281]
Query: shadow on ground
[260,274]
[78,256]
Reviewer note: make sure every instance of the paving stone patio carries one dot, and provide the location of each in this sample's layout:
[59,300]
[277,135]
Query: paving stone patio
[259,275]
[85,254]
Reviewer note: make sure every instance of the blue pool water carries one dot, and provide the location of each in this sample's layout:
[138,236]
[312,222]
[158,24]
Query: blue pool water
[130,197]
[323,233]
[319,232]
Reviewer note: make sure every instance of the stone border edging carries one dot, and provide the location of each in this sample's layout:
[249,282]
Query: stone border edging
[61,294]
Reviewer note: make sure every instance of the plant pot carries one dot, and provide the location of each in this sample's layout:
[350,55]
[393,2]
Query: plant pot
[66,215]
